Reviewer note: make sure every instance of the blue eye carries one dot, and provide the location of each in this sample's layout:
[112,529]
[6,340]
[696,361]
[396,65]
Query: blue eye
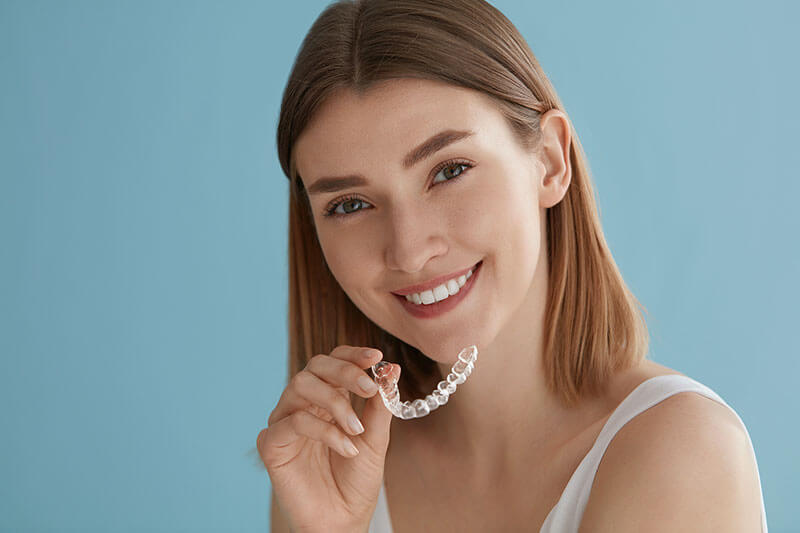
[330,210]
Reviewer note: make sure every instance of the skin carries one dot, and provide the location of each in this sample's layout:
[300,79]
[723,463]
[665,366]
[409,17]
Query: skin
[407,226]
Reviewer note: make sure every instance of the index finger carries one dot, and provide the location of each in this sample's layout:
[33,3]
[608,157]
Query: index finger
[362,356]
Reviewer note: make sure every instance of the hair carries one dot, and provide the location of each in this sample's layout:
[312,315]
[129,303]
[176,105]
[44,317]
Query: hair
[593,327]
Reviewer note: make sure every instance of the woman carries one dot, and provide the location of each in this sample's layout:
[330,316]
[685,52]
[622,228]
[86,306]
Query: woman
[423,143]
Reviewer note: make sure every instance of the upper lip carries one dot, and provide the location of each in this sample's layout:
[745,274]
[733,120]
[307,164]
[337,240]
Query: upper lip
[430,284]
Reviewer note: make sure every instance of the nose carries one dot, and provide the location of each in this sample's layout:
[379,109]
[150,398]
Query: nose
[413,239]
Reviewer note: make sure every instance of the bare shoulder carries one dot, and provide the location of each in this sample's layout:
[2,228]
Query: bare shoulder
[684,464]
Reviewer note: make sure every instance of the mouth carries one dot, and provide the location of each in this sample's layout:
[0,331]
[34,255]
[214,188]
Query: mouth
[421,310]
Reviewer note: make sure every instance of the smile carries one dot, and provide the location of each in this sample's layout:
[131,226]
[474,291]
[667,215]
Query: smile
[441,298]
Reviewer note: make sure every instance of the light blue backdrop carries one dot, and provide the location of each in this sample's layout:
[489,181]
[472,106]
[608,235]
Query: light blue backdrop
[143,227]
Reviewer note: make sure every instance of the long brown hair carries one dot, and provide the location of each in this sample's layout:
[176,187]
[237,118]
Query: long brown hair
[592,324]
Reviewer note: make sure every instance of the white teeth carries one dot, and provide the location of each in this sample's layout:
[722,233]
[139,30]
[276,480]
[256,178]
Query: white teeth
[441,292]
[452,287]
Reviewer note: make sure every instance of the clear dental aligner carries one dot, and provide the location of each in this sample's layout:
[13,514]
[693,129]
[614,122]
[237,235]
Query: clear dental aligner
[387,386]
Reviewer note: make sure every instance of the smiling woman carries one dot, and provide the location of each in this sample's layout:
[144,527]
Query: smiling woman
[439,198]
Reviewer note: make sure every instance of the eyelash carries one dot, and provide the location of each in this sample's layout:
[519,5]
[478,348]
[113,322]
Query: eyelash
[329,211]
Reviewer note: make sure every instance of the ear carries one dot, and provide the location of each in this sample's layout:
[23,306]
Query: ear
[555,151]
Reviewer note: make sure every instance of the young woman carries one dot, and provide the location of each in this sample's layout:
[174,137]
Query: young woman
[424,143]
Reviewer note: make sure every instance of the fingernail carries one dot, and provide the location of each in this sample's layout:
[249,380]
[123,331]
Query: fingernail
[369,354]
[355,424]
[367,384]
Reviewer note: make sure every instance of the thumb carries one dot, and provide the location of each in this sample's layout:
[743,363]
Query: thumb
[377,419]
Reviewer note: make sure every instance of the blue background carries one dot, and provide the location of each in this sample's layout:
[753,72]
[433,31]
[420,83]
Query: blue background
[143,224]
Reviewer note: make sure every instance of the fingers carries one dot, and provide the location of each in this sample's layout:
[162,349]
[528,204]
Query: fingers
[274,443]
[318,384]
[311,402]
[347,372]
[361,356]
[308,388]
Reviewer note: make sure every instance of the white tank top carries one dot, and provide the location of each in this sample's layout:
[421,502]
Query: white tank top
[565,516]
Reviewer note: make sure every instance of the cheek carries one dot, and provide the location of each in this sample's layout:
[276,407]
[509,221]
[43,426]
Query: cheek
[523,228]
[502,213]
[346,257]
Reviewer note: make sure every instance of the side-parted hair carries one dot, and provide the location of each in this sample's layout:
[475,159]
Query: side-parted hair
[593,327]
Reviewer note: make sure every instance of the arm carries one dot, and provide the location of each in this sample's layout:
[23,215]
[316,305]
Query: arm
[682,465]
[277,522]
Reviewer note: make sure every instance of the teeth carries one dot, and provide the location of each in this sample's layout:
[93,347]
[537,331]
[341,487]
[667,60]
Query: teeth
[441,292]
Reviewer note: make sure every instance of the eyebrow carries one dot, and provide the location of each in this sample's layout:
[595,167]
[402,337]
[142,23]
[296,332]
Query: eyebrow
[423,151]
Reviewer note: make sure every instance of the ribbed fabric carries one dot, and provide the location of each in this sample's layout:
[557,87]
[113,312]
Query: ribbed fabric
[566,515]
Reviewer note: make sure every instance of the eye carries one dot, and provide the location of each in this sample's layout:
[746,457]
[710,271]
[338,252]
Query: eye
[440,169]
[330,211]
[448,166]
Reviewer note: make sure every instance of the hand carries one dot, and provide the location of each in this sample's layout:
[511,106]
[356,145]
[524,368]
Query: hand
[318,483]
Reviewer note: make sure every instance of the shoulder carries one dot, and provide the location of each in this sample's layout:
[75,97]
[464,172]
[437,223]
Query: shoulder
[683,464]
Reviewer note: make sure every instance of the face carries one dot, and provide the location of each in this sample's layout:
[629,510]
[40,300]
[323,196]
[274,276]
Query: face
[480,198]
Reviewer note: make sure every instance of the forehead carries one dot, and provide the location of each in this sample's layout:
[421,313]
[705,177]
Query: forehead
[381,125]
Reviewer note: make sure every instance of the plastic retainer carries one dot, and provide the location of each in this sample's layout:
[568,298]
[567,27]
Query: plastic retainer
[387,386]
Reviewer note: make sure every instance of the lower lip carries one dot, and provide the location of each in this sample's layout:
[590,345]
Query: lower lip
[439,308]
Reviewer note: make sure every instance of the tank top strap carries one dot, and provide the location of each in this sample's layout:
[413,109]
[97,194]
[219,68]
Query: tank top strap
[566,515]
[381,522]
